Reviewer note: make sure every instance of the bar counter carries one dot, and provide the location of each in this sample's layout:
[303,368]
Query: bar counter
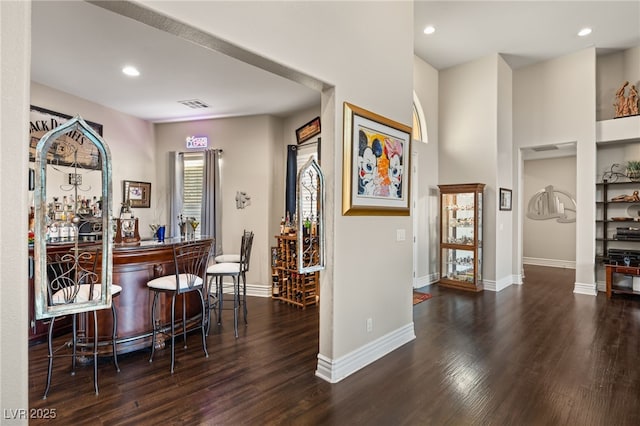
[133,266]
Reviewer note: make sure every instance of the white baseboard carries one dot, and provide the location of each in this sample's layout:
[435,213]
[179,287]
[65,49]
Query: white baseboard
[587,289]
[499,285]
[601,286]
[335,370]
[517,279]
[554,263]
[258,290]
[426,280]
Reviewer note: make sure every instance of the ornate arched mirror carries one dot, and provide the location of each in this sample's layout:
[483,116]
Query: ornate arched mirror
[310,213]
[72,178]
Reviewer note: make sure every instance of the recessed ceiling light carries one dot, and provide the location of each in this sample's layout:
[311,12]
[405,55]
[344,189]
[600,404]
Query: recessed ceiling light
[584,32]
[131,71]
[430,29]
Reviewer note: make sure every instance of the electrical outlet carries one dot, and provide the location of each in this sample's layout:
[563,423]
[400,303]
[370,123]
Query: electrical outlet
[369,325]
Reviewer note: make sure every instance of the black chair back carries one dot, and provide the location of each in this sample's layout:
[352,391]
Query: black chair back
[67,272]
[190,261]
[245,250]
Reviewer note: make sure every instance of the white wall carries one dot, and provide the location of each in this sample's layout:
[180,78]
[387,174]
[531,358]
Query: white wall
[555,102]
[130,140]
[549,242]
[425,85]
[504,228]
[468,138]
[247,165]
[15,42]
[369,275]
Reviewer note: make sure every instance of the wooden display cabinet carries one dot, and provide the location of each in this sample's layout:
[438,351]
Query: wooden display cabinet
[622,280]
[461,236]
[289,285]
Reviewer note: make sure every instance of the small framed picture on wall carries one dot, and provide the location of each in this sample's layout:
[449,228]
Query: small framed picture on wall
[505,199]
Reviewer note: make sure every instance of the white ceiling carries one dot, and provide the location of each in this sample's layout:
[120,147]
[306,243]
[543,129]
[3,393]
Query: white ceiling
[524,32]
[79,48]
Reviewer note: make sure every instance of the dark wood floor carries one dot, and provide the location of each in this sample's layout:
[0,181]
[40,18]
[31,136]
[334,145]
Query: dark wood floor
[529,355]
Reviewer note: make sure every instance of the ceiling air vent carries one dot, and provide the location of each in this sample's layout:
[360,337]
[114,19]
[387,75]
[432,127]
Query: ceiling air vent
[544,148]
[194,104]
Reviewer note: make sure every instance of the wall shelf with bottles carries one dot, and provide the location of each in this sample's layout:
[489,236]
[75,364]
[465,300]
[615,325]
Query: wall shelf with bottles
[461,236]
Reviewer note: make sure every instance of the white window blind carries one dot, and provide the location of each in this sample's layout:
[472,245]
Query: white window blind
[193,166]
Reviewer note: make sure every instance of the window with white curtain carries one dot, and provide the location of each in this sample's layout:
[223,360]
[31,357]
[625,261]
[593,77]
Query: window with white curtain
[193,167]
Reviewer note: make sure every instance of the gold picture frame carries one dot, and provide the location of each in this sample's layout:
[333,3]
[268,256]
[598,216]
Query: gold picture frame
[376,164]
[136,194]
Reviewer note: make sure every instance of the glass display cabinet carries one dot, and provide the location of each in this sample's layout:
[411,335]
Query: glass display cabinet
[461,236]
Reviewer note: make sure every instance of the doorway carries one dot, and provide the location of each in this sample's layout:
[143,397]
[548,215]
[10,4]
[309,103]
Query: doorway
[548,208]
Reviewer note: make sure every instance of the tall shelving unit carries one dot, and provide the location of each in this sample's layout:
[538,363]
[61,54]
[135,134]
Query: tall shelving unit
[618,141]
[614,214]
[461,236]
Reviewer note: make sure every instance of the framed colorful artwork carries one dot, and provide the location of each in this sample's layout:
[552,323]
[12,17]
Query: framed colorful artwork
[376,169]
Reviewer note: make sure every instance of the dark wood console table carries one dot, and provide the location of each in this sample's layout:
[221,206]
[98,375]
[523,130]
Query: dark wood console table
[630,271]
[133,266]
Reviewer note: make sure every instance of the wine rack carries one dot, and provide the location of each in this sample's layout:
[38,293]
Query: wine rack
[288,284]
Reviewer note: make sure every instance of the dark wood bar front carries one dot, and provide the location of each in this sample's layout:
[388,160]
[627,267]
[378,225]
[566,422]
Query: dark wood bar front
[133,267]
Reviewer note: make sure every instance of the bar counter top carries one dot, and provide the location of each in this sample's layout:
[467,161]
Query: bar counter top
[152,243]
[155,243]
[133,266]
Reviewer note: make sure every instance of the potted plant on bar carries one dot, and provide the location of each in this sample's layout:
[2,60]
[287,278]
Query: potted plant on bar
[633,170]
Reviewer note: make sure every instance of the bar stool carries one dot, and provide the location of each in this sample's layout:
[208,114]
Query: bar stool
[237,272]
[70,282]
[235,258]
[190,262]
[227,258]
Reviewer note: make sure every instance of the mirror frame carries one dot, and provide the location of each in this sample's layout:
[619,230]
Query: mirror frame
[306,244]
[42,308]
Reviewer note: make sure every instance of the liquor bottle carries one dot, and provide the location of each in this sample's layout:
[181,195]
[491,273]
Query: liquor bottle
[63,230]
[73,229]
[287,224]
[32,218]
[54,232]
[307,227]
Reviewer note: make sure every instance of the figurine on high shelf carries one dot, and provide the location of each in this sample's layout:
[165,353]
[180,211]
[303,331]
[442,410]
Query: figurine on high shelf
[626,105]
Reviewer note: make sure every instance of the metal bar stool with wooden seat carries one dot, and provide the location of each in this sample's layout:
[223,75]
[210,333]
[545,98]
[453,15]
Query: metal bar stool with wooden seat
[237,272]
[69,281]
[190,263]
